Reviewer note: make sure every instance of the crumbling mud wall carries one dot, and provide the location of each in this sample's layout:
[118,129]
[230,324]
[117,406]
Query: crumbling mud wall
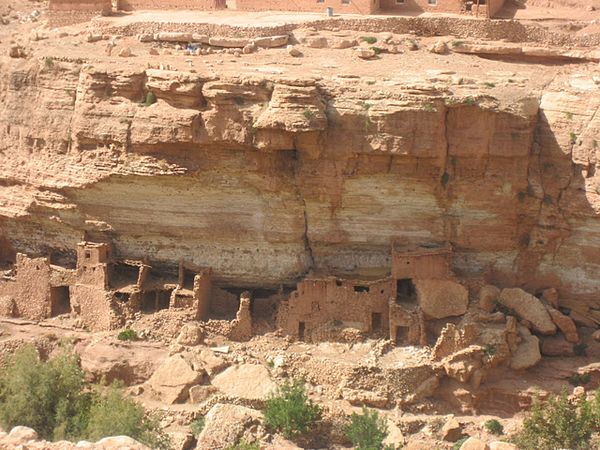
[232,174]
[339,6]
[67,12]
[203,5]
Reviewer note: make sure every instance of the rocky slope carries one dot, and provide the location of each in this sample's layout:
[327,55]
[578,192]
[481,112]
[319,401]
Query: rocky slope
[266,177]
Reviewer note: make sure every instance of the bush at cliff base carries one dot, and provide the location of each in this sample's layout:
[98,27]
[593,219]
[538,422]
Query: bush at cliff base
[52,398]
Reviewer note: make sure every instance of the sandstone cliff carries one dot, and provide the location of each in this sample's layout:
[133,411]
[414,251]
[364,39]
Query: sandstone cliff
[265,178]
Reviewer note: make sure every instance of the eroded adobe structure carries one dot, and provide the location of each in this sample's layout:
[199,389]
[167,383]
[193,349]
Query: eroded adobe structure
[63,12]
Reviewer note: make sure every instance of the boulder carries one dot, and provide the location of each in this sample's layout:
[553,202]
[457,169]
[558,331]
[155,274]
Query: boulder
[191,334]
[153,51]
[442,298]
[16,51]
[452,430]
[488,298]
[250,48]
[180,440]
[365,53]
[596,335]
[564,324]
[7,306]
[120,443]
[225,425]
[271,41]
[527,354]
[206,360]
[556,346]
[228,42]
[109,362]
[439,47]
[464,363]
[293,51]
[246,381]
[202,38]
[172,380]
[125,52]
[317,42]
[173,36]
[22,435]
[474,444]
[529,308]
[344,43]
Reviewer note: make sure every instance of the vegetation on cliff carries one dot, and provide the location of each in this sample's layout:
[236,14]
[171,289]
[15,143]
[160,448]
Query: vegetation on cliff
[53,398]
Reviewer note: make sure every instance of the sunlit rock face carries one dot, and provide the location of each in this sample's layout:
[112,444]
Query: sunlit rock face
[265,180]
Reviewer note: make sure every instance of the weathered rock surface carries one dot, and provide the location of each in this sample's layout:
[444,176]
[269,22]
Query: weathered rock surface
[442,298]
[246,381]
[529,308]
[172,380]
[225,426]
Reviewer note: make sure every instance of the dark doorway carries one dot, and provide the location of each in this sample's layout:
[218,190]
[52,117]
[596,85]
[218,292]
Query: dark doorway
[301,330]
[401,335]
[376,322]
[405,291]
[60,300]
[153,301]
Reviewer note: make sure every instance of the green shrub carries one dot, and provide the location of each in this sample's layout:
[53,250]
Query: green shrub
[369,39]
[458,444]
[494,427]
[580,349]
[579,379]
[572,138]
[111,414]
[52,398]
[290,412]
[49,62]
[150,99]
[308,114]
[557,423]
[198,425]
[366,431]
[377,50]
[127,335]
[244,445]
[46,396]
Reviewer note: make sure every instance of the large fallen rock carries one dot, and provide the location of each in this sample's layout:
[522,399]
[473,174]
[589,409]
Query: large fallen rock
[225,425]
[111,361]
[442,298]
[246,381]
[564,324]
[488,297]
[228,42]
[528,352]
[172,380]
[474,444]
[529,308]
[271,41]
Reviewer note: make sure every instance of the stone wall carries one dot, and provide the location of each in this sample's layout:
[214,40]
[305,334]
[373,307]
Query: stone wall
[203,5]
[67,12]
[339,6]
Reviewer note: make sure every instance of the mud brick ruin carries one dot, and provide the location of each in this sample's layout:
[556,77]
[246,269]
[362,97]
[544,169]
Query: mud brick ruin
[104,291]
[73,11]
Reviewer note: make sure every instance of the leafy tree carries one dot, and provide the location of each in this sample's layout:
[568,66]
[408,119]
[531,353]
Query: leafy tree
[557,423]
[290,412]
[367,431]
[46,396]
[198,425]
[52,398]
[493,426]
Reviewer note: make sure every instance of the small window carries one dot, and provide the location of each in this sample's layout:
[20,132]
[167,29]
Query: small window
[432,2]
[320,1]
[399,2]
[88,254]
[361,288]
[345,2]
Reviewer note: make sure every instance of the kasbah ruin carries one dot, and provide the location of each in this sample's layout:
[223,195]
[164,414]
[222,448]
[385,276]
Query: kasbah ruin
[396,202]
